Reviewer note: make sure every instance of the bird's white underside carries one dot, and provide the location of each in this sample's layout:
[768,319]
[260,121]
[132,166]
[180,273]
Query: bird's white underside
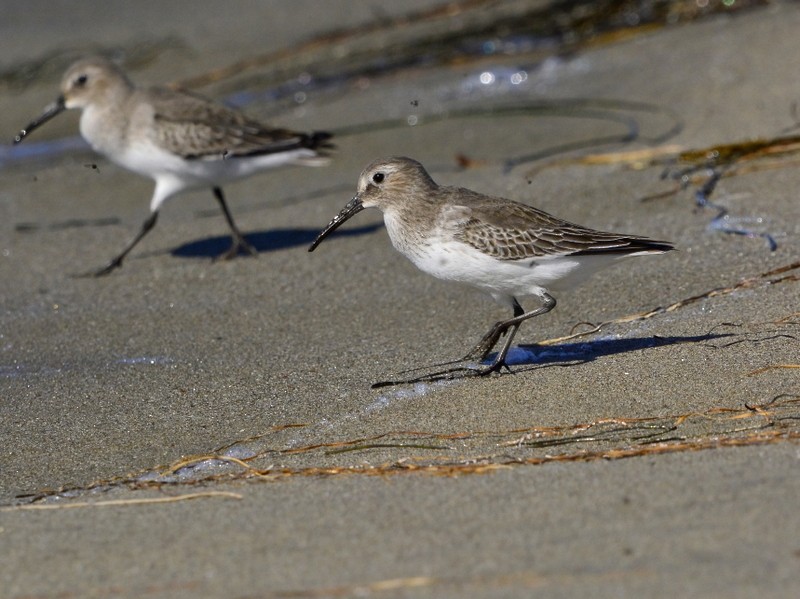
[448,259]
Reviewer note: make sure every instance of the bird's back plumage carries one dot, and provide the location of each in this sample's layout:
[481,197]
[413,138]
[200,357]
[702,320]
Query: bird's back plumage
[508,230]
[193,127]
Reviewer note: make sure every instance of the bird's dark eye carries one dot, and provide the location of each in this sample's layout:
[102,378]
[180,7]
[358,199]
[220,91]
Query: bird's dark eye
[378,178]
[81,81]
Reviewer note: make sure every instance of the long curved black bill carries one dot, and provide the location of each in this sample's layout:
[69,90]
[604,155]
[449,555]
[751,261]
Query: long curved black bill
[353,207]
[50,111]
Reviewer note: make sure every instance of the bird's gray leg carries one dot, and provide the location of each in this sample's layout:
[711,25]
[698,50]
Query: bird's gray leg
[490,339]
[484,346]
[147,225]
[511,325]
[239,242]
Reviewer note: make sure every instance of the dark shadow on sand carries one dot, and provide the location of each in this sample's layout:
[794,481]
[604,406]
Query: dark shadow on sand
[567,354]
[264,241]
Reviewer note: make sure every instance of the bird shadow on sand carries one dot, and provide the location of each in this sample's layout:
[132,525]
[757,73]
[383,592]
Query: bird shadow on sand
[566,354]
[263,241]
[524,358]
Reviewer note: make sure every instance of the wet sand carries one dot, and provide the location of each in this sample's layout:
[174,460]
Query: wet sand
[630,462]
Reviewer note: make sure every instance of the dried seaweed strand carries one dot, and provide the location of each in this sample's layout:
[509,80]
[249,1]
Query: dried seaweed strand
[122,502]
[772,367]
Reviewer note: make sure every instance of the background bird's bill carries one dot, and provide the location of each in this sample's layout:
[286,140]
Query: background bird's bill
[50,111]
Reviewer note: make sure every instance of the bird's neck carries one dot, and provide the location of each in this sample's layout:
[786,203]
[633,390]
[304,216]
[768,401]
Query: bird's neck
[104,125]
[409,227]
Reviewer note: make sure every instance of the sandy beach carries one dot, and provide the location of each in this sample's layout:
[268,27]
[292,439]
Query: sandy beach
[195,428]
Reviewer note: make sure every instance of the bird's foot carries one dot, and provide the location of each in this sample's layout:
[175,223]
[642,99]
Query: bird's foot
[102,272]
[239,245]
[466,369]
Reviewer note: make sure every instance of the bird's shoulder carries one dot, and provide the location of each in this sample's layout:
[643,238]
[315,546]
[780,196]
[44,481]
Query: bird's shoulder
[501,228]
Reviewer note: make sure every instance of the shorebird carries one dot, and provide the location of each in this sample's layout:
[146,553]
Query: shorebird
[507,249]
[179,139]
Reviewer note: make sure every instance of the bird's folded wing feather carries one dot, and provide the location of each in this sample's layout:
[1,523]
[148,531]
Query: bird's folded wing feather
[512,231]
[194,127]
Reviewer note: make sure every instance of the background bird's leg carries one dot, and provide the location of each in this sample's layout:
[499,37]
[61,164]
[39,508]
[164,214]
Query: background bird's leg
[239,242]
[147,225]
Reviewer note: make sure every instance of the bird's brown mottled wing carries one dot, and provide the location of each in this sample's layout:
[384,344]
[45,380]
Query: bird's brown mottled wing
[194,127]
[509,230]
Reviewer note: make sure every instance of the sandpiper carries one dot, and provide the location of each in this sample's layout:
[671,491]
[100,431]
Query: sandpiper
[505,248]
[179,139]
